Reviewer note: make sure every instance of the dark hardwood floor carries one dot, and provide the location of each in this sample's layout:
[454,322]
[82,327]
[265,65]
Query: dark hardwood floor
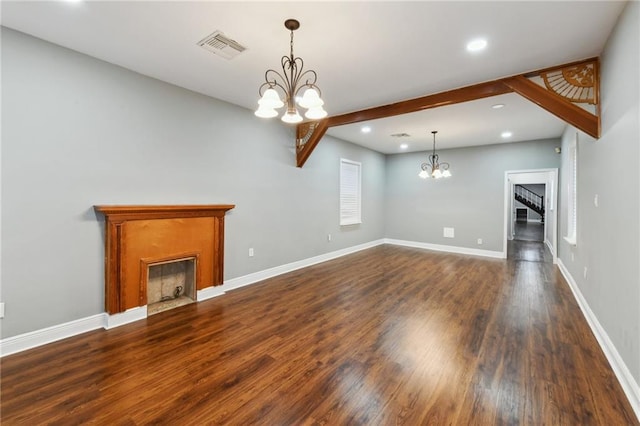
[528,231]
[389,335]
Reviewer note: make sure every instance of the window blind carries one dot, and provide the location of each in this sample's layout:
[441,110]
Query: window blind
[350,194]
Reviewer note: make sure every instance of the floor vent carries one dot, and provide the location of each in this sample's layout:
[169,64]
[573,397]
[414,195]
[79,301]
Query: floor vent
[221,45]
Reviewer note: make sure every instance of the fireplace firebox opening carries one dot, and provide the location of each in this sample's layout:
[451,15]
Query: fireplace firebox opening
[170,284]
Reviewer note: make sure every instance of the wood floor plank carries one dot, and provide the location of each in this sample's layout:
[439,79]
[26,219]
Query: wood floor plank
[389,335]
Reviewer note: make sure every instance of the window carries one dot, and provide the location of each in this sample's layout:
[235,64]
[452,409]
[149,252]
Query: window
[350,194]
[572,192]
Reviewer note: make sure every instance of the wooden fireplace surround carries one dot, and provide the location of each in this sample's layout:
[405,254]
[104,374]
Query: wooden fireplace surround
[139,235]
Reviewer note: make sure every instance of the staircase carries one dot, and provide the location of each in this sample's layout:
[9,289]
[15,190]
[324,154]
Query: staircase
[530,199]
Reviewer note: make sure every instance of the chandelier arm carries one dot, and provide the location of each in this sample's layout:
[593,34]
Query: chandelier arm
[272,83]
[312,77]
[295,77]
[289,64]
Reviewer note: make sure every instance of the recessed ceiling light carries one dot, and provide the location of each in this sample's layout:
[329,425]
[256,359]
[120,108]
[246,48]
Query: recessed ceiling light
[404,146]
[476,45]
[506,134]
[497,106]
[365,129]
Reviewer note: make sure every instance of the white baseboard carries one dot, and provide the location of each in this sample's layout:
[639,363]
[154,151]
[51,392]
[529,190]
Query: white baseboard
[209,292]
[22,342]
[620,369]
[448,249]
[126,317]
[289,267]
[551,250]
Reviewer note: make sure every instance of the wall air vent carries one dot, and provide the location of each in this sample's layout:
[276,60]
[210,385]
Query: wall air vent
[221,45]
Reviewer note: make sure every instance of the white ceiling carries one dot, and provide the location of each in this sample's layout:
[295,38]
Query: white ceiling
[365,53]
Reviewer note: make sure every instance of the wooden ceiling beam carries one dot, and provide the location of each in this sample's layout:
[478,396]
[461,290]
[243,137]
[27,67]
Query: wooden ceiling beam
[450,97]
[464,94]
[565,110]
[580,76]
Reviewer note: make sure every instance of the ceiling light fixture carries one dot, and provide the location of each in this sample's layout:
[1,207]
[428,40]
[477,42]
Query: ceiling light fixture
[404,146]
[506,134]
[433,168]
[291,81]
[365,129]
[476,45]
[497,106]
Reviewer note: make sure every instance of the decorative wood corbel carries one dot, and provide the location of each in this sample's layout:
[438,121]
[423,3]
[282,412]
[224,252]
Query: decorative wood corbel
[564,86]
[308,135]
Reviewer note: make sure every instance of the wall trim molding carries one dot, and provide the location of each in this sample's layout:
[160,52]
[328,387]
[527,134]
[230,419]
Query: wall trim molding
[290,267]
[620,369]
[126,317]
[551,250]
[210,292]
[33,339]
[447,249]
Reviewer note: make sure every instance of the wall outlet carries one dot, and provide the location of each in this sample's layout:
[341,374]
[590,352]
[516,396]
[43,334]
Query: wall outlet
[1,309]
[479,241]
[595,200]
[251,252]
[448,232]
[329,237]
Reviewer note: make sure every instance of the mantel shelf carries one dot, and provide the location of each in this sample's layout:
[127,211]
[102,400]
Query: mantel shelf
[141,212]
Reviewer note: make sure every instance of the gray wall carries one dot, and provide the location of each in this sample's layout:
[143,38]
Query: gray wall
[608,235]
[77,132]
[471,200]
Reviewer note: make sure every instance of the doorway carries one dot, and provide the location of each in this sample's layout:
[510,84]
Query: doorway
[529,212]
[531,208]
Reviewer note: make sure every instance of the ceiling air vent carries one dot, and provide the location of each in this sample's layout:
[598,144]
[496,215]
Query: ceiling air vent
[221,45]
[400,135]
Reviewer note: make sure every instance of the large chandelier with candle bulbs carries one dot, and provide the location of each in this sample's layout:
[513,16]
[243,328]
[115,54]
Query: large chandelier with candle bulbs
[289,84]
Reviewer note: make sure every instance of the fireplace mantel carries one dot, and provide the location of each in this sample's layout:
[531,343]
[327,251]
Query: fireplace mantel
[122,213]
[137,235]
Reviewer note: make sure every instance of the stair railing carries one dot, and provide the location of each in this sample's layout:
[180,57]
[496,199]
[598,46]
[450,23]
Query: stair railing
[529,198]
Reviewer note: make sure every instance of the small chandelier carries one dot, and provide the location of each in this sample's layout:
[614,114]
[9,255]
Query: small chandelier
[291,81]
[433,168]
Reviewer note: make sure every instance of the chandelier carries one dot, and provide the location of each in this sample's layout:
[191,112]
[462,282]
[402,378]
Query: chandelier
[290,82]
[433,168]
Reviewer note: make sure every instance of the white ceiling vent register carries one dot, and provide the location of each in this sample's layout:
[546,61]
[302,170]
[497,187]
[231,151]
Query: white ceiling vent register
[221,45]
